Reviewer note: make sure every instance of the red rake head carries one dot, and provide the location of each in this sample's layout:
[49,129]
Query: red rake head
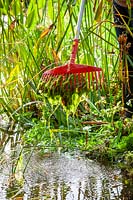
[75,75]
[71,68]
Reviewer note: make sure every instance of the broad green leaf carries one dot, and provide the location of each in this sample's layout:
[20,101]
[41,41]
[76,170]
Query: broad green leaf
[41,3]
[4,6]
[50,9]
[32,17]
[16,7]
[32,14]
[60,24]
[1,4]
[13,74]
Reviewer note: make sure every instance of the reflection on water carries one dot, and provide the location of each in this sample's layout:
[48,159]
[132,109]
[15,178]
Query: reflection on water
[72,177]
[63,177]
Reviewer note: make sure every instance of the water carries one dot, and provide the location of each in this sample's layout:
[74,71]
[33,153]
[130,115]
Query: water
[74,177]
[60,177]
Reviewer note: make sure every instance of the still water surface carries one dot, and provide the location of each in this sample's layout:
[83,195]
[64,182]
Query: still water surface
[62,177]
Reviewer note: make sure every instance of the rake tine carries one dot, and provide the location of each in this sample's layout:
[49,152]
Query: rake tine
[79,78]
[92,80]
[101,75]
[96,80]
[74,80]
[88,85]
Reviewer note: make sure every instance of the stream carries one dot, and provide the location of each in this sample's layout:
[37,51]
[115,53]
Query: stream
[60,176]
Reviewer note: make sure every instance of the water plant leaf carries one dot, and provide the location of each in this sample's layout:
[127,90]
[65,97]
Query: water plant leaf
[41,4]
[4,5]
[16,7]
[32,15]
[55,56]
[99,12]
[50,9]
[46,31]
[12,25]
[13,75]
[1,4]
[30,18]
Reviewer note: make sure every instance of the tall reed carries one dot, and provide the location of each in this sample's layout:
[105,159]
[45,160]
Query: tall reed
[38,36]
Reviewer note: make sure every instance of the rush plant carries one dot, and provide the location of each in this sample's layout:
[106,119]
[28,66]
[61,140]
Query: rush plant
[38,35]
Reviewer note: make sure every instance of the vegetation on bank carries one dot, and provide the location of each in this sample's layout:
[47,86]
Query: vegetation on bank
[39,37]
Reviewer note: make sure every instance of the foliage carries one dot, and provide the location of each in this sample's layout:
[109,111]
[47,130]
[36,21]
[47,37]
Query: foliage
[37,38]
